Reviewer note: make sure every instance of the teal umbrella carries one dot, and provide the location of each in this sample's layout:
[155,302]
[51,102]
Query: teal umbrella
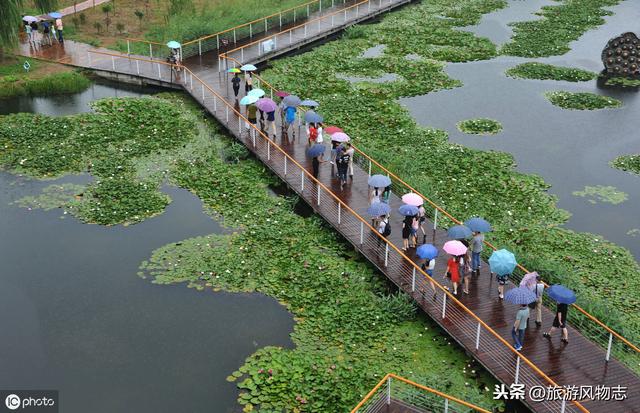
[256,92]
[173,45]
[248,100]
[502,262]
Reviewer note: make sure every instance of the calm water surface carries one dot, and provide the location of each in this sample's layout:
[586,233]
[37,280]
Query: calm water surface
[75,316]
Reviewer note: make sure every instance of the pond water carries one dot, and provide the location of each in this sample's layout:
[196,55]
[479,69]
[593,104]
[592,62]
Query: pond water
[76,318]
[569,149]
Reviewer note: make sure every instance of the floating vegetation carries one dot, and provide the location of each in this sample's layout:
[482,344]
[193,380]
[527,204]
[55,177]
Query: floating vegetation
[558,27]
[53,197]
[628,163]
[543,71]
[609,194]
[635,232]
[623,82]
[581,100]
[481,126]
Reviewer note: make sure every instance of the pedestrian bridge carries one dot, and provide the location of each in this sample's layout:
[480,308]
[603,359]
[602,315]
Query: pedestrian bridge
[597,357]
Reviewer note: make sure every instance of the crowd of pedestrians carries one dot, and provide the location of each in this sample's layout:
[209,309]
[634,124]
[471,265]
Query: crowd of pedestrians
[43,32]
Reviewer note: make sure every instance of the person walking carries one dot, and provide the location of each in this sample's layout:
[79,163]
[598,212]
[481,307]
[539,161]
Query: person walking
[319,128]
[453,272]
[519,326]
[350,151]
[248,82]
[334,150]
[54,35]
[465,268]
[35,35]
[422,217]
[502,281]
[415,224]
[251,116]
[384,228]
[46,33]
[539,290]
[428,266]
[29,32]
[271,121]
[386,194]
[289,118]
[406,231]
[59,29]
[312,133]
[342,161]
[315,164]
[477,244]
[374,195]
[235,82]
[560,321]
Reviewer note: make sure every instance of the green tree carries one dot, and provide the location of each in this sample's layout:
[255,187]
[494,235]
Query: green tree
[120,27]
[139,15]
[97,26]
[106,9]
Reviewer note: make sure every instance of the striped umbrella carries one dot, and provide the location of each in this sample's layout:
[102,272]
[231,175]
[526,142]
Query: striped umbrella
[520,295]
[378,209]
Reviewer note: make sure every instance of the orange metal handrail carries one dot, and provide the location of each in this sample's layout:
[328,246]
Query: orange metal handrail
[367,224]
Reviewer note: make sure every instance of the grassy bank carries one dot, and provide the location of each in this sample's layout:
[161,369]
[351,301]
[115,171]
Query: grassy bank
[542,71]
[465,181]
[43,79]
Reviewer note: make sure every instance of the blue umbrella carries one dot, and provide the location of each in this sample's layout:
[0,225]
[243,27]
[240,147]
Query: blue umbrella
[312,117]
[478,225]
[256,92]
[520,295]
[502,262]
[248,68]
[427,251]
[316,150]
[379,181]
[173,44]
[249,99]
[561,294]
[378,208]
[55,15]
[309,103]
[458,232]
[408,210]
[291,100]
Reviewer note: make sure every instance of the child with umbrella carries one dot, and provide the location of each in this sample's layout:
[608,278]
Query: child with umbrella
[428,253]
[502,263]
[563,296]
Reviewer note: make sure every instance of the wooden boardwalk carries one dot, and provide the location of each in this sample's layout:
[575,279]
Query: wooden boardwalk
[480,322]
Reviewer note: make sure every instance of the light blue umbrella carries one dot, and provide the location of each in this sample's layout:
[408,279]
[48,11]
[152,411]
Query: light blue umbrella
[478,225]
[309,103]
[312,117]
[378,208]
[502,262]
[427,251]
[316,150]
[520,295]
[256,92]
[248,100]
[459,232]
[561,294]
[248,68]
[408,210]
[173,45]
[55,15]
[379,181]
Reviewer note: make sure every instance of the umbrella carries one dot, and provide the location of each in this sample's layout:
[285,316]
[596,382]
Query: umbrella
[408,210]
[340,137]
[309,103]
[30,19]
[291,100]
[55,15]
[454,248]
[412,199]
[458,232]
[248,68]
[427,251]
[316,150]
[234,70]
[502,262]
[332,129]
[520,295]
[282,94]
[249,99]
[173,45]
[256,92]
[379,181]
[561,294]
[312,117]
[378,208]
[529,280]
[478,225]
[266,105]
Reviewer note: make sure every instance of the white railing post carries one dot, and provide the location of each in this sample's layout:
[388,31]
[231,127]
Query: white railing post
[361,232]
[202,86]
[150,51]
[242,55]
[446,405]
[369,6]
[280,17]
[253,137]
[319,191]
[357,10]
[345,15]
[290,34]
[266,25]
[285,166]
[305,30]
[234,37]
[200,47]
[302,179]
[227,108]
[159,74]
[307,11]
[515,379]
[332,16]
[268,151]
[218,43]
[435,219]
[369,167]
[128,47]
[386,254]
[609,347]
[138,67]
[320,9]
[413,280]
[250,31]
[478,337]
[113,63]
[215,104]
[444,304]
[275,41]
[240,126]
[191,80]
[388,390]
[294,14]
[339,213]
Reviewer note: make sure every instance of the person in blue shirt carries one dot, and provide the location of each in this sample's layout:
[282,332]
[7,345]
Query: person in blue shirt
[289,118]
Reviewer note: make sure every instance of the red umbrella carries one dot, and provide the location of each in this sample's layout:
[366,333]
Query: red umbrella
[332,129]
[282,94]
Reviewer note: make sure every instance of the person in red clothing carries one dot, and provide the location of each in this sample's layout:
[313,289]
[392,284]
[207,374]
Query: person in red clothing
[453,271]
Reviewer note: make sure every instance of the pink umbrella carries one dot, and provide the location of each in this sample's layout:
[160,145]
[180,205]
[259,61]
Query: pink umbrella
[412,199]
[529,280]
[282,94]
[266,105]
[340,137]
[454,247]
[332,129]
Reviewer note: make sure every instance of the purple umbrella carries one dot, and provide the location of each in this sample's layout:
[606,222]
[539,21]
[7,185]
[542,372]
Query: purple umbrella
[266,105]
[340,137]
[529,280]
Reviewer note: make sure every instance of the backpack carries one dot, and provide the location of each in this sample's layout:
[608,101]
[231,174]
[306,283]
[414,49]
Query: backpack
[387,229]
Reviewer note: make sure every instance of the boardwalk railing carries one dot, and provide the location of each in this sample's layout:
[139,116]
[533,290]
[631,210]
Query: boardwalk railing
[445,307]
[410,396]
[596,330]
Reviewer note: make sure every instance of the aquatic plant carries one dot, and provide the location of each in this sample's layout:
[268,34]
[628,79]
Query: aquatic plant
[628,163]
[557,28]
[608,194]
[543,71]
[581,100]
[623,82]
[480,126]
[53,84]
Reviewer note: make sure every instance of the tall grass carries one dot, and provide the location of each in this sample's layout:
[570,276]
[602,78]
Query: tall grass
[57,83]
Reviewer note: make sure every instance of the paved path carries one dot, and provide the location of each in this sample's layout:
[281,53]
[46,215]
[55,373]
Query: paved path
[81,6]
